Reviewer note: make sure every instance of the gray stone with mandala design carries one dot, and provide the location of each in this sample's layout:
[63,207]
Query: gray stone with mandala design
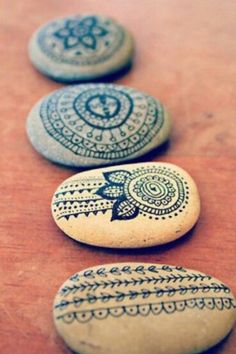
[137,308]
[129,206]
[97,124]
[82,47]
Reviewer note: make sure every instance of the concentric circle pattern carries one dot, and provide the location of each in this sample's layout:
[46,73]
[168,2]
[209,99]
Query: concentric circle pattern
[103,108]
[101,121]
[157,190]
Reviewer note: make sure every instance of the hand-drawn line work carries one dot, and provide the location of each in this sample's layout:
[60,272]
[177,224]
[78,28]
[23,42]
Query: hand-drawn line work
[81,40]
[152,280]
[138,290]
[104,122]
[104,272]
[157,308]
[144,293]
[154,192]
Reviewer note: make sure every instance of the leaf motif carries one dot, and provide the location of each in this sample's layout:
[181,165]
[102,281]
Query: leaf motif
[140,270]
[119,296]
[105,297]
[166,268]
[117,177]
[171,291]
[159,292]
[71,23]
[206,288]
[115,271]
[62,33]
[126,270]
[88,274]
[88,21]
[145,293]
[183,290]
[71,42]
[78,301]
[102,272]
[62,304]
[110,192]
[98,31]
[194,289]
[91,298]
[88,41]
[124,210]
[133,294]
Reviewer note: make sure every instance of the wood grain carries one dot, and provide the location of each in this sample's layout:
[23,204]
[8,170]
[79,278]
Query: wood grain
[185,56]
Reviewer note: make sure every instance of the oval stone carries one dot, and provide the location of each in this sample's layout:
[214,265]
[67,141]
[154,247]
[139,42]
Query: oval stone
[137,308]
[97,124]
[136,205]
[81,47]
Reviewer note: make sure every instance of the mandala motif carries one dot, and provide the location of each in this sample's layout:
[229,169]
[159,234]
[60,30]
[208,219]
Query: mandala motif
[85,33]
[102,121]
[103,109]
[81,40]
[156,191]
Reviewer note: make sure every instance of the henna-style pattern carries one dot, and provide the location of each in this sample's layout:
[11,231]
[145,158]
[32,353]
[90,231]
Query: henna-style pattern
[81,40]
[156,192]
[167,307]
[144,293]
[104,284]
[101,121]
[135,289]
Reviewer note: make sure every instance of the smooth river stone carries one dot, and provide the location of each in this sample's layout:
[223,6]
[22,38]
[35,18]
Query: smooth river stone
[136,205]
[137,308]
[82,47]
[97,124]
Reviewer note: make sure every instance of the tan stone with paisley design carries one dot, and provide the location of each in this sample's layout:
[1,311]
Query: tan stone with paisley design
[133,308]
[136,205]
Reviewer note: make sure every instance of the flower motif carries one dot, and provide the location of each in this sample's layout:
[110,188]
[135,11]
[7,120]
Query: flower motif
[83,32]
[114,190]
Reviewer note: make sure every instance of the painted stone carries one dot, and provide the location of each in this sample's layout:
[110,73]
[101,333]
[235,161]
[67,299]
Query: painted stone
[82,47]
[97,124]
[136,205]
[134,308]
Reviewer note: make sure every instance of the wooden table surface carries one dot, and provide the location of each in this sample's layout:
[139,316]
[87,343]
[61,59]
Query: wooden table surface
[186,56]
